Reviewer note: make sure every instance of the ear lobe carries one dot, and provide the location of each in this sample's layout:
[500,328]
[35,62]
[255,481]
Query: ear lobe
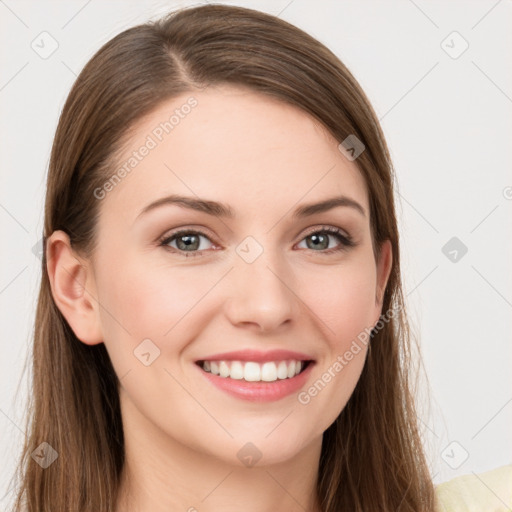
[72,282]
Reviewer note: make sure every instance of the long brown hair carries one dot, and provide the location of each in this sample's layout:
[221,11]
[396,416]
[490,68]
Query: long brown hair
[372,456]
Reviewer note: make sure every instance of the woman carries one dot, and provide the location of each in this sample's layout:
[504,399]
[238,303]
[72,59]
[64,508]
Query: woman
[221,320]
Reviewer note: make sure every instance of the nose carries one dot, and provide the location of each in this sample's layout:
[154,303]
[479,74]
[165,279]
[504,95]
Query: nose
[263,295]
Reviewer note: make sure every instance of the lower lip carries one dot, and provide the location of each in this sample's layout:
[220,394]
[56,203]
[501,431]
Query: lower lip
[259,391]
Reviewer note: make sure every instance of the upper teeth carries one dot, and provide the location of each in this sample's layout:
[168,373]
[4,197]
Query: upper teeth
[253,372]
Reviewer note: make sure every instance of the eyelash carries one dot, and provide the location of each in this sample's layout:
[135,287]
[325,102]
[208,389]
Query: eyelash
[346,240]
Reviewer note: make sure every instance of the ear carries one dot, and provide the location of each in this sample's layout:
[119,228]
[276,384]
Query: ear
[383,271]
[73,288]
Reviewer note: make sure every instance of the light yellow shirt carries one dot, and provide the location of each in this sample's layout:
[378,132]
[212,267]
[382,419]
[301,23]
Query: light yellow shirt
[490,491]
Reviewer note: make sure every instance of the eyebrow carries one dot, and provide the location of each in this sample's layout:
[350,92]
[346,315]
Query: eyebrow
[218,209]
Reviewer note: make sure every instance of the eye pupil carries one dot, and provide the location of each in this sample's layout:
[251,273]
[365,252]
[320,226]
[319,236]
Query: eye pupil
[189,241]
[319,239]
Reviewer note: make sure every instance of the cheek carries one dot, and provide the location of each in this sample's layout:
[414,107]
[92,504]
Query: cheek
[343,299]
[141,303]
[344,302]
[150,302]
[160,303]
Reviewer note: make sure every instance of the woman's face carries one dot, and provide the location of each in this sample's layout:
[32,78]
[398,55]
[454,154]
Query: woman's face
[263,279]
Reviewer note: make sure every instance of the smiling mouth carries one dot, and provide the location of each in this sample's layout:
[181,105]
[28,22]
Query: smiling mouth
[252,371]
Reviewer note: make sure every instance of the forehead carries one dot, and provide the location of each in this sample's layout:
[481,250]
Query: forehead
[236,146]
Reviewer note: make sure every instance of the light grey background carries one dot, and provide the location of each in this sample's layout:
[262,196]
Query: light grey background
[447,119]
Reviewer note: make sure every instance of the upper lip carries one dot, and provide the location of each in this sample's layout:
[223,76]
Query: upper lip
[257,356]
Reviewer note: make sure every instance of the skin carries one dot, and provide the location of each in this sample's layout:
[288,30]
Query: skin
[263,158]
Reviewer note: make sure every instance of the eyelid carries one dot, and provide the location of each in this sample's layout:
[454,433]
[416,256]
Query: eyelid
[326,227]
[200,230]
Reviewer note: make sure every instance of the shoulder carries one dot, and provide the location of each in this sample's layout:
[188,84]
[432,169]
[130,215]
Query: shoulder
[490,491]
